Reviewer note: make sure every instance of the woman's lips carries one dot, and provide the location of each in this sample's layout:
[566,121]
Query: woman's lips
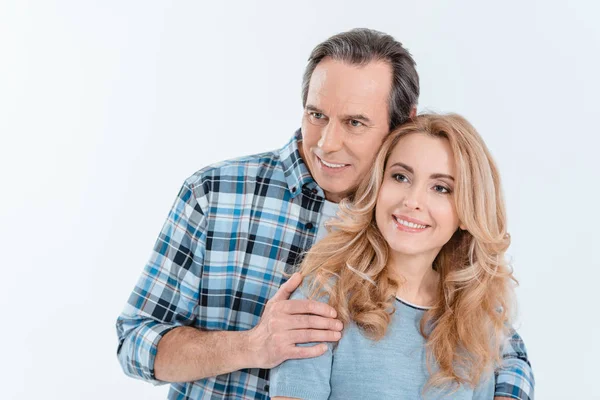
[409,224]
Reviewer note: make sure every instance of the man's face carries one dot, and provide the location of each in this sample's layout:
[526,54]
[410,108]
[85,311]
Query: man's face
[344,123]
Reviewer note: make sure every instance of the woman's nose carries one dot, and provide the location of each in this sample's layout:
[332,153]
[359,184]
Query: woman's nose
[412,199]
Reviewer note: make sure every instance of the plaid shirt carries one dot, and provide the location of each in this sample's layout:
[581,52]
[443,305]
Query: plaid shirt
[233,230]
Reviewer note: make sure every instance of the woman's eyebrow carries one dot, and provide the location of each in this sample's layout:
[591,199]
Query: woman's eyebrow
[412,171]
[402,165]
[437,176]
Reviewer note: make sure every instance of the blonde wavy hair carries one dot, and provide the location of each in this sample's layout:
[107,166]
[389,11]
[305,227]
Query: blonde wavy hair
[466,327]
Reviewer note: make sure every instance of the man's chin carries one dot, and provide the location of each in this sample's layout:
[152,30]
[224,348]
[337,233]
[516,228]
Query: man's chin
[335,194]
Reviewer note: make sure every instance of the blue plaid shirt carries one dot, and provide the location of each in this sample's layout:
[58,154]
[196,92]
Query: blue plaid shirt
[233,231]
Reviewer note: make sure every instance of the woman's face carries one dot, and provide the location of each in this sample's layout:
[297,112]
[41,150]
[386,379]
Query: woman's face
[415,209]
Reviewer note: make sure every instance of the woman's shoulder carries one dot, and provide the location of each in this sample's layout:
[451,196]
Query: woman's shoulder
[313,290]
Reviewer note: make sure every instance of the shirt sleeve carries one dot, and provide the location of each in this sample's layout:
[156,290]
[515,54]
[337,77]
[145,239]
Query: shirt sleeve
[514,378]
[166,294]
[307,378]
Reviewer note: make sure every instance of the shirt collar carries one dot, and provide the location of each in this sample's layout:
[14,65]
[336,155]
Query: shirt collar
[295,171]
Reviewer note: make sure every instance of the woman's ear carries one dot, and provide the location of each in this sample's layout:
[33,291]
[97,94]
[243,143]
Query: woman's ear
[462,227]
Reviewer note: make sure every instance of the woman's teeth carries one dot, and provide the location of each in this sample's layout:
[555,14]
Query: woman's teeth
[410,224]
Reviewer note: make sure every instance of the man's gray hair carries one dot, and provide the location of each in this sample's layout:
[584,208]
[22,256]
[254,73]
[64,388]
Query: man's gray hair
[361,46]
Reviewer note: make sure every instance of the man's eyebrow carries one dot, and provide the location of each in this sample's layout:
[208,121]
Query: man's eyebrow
[360,117]
[312,108]
[412,171]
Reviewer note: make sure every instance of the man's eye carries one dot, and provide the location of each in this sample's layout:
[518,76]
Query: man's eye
[317,118]
[355,123]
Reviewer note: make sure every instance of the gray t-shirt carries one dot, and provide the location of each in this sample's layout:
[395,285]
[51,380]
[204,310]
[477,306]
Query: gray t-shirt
[328,211]
[360,368]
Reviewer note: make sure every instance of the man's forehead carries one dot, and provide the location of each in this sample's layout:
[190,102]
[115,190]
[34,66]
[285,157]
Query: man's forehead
[372,78]
[350,103]
[361,80]
[353,88]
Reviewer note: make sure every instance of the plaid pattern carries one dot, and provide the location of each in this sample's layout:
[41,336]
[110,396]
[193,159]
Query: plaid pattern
[514,379]
[233,230]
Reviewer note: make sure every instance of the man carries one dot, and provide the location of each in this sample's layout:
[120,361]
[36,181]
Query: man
[208,313]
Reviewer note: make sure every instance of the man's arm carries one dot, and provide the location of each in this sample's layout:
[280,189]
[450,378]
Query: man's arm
[156,340]
[514,378]
[188,354]
[167,292]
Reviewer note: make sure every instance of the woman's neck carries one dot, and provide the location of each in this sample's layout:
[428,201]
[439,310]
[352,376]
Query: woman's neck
[418,281]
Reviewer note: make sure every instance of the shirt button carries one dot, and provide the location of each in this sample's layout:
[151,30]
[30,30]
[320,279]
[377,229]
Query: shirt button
[314,191]
[309,225]
[266,388]
[294,189]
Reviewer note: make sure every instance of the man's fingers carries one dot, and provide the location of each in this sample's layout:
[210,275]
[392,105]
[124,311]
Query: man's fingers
[288,288]
[306,321]
[308,307]
[313,335]
[307,351]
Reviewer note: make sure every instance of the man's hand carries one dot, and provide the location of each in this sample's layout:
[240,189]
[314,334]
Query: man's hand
[287,322]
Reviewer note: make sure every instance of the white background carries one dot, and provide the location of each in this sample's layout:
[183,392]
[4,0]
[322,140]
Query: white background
[107,106]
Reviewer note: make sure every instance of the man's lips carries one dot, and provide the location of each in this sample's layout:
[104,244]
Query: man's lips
[331,164]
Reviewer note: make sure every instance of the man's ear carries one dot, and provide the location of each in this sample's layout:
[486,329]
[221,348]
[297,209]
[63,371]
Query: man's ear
[413,112]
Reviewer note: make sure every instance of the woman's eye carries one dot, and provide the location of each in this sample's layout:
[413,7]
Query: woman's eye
[400,177]
[441,189]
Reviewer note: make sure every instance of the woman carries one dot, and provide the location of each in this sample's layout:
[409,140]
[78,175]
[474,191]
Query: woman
[415,267]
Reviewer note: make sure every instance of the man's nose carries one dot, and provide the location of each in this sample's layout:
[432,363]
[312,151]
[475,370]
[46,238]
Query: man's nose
[332,138]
